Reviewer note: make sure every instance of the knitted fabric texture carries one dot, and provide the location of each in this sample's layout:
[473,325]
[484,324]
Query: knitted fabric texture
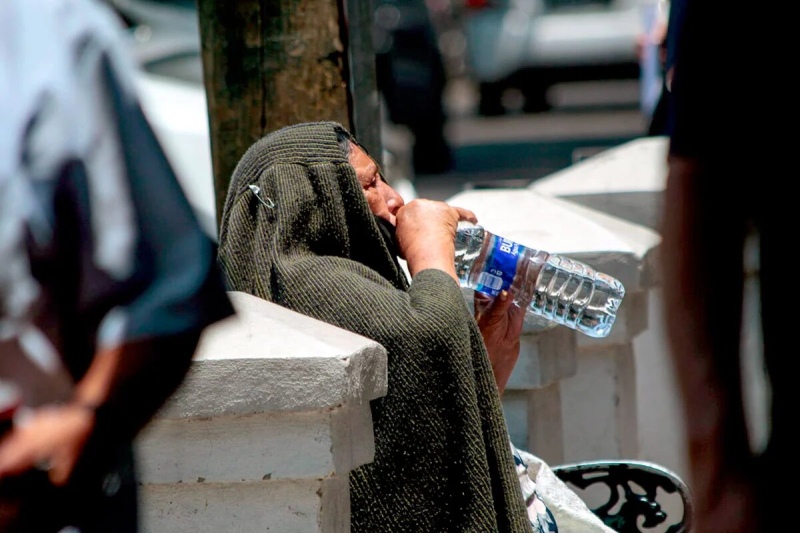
[442,455]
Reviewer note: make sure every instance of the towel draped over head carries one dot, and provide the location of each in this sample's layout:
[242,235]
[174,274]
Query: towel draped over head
[442,454]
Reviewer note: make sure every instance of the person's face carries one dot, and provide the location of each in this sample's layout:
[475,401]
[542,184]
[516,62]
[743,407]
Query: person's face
[383,200]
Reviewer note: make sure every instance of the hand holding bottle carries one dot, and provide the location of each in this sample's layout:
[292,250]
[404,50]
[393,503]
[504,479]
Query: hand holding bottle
[425,234]
[500,323]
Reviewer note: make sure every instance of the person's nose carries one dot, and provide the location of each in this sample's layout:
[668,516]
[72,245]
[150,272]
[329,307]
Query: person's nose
[393,200]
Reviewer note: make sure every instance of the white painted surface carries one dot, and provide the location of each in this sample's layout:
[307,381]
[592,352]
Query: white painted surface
[296,445]
[304,506]
[660,419]
[268,358]
[599,405]
[626,181]
[264,431]
[636,166]
[545,357]
[531,407]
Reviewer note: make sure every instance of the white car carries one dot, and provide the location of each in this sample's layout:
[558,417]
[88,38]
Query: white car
[530,45]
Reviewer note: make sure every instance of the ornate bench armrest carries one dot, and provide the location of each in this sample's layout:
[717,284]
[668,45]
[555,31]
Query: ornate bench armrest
[634,491]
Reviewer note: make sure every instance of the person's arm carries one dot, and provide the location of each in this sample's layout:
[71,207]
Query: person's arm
[702,259]
[426,233]
[426,237]
[686,314]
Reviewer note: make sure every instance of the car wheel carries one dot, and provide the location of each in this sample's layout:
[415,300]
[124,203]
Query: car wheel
[491,99]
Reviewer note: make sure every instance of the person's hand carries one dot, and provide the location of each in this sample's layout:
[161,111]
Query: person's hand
[500,323]
[426,232]
[51,437]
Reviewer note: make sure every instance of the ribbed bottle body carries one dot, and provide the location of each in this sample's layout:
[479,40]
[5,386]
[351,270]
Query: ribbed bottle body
[551,286]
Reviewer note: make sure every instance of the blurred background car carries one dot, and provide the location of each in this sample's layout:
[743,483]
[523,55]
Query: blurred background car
[530,45]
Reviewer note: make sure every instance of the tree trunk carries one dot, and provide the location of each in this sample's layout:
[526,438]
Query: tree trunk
[273,63]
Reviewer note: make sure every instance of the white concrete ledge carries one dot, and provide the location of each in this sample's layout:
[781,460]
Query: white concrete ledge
[545,358]
[263,433]
[303,506]
[307,445]
[268,358]
[626,181]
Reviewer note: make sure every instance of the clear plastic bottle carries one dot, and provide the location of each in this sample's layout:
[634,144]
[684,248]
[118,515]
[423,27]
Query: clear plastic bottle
[551,286]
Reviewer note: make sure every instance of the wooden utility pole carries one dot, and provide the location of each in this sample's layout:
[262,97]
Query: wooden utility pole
[273,63]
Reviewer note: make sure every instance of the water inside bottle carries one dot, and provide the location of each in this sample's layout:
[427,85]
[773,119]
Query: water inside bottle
[553,287]
[574,294]
[469,245]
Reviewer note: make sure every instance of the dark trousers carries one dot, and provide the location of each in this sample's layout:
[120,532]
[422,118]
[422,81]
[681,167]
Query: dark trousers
[96,500]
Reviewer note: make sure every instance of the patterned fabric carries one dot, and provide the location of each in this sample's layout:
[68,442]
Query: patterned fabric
[552,505]
[47,79]
[541,518]
[442,461]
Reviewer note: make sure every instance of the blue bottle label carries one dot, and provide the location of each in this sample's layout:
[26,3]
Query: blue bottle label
[500,266]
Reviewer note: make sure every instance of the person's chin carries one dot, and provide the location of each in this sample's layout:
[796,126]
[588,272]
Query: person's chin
[388,218]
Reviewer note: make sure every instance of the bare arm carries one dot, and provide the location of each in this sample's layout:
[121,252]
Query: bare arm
[686,321]
[703,273]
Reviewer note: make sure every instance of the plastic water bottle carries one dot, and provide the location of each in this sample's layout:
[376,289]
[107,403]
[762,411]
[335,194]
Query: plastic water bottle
[551,286]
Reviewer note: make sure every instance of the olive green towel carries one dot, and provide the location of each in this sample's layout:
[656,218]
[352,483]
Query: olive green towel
[442,453]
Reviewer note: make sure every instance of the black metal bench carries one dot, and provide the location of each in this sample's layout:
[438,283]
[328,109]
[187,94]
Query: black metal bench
[636,490]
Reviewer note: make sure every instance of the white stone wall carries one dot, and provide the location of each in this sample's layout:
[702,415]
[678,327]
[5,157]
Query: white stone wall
[266,428]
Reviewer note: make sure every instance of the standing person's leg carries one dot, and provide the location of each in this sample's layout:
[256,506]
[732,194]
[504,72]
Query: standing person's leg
[703,293]
[721,265]
[776,344]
